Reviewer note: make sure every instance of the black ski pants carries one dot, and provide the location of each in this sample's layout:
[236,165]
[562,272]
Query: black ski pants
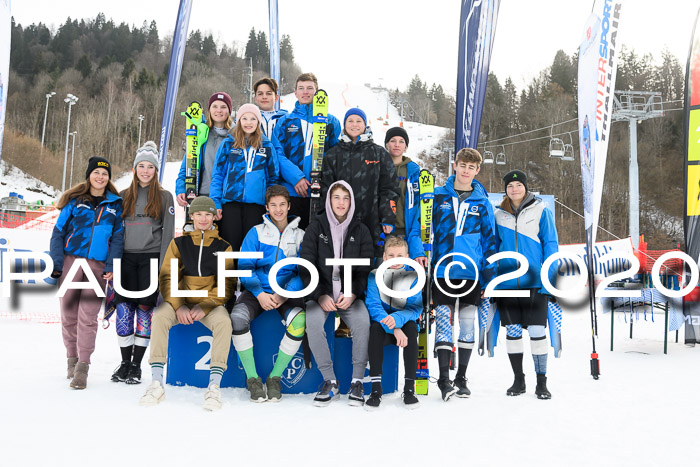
[378,338]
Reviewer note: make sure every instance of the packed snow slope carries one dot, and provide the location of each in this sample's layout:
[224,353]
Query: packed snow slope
[635,415]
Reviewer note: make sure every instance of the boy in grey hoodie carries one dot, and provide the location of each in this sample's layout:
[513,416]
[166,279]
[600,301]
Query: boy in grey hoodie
[337,233]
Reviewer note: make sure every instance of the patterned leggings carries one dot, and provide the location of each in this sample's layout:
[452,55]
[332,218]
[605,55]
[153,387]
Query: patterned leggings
[134,324]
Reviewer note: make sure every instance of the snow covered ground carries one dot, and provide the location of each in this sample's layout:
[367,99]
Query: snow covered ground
[638,413]
[14,180]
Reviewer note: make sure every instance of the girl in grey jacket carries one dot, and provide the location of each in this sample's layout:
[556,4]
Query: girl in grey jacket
[149,224]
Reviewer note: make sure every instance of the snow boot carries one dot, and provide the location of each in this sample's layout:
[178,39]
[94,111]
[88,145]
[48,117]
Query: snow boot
[274,388]
[212,398]
[410,401]
[518,386]
[373,401]
[121,372]
[541,389]
[328,392]
[155,394]
[357,394]
[446,388]
[257,390]
[72,361]
[134,375]
[462,389]
[80,376]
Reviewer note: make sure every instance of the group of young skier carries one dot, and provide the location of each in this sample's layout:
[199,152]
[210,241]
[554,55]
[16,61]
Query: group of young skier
[253,196]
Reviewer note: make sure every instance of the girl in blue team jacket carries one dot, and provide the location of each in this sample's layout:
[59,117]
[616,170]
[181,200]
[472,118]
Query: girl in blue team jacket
[526,226]
[246,165]
[89,227]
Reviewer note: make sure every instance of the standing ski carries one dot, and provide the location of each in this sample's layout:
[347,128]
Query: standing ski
[319,120]
[194,117]
[427,185]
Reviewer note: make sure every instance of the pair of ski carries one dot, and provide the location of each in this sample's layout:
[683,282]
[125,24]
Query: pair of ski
[196,134]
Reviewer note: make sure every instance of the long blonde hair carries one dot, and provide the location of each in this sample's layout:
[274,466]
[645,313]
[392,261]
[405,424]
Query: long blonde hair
[241,140]
[82,192]
[154,206]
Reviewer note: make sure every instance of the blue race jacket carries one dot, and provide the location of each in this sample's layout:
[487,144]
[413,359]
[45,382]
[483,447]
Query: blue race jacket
[88,232]
[243,175]
[402,310]
[275,246]
[268,124]
[468,229]
[292,140]
[531,233]
[411,209]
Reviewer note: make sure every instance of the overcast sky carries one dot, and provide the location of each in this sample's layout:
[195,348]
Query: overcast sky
[362,41]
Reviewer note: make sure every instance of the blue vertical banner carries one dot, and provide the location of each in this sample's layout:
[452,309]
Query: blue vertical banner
[275,47]
[477,29]
[5,35]
[177,55]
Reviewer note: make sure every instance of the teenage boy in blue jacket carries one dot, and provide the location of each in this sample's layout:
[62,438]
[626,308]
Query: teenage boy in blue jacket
[293,138]
[278,237]
[464,226]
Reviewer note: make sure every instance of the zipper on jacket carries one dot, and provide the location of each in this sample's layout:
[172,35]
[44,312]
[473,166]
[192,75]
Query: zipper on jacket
[92,230]
[279,242]
[199,261]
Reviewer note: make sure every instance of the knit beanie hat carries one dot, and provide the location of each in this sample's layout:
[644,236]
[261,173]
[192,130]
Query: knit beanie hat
[515,176]
[396,131]
[202,203]
[355,111]
[249,108]
[221,96]
[96,162]
[147,153]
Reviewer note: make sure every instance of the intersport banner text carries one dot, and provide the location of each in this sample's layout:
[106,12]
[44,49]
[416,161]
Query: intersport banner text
[597,66]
